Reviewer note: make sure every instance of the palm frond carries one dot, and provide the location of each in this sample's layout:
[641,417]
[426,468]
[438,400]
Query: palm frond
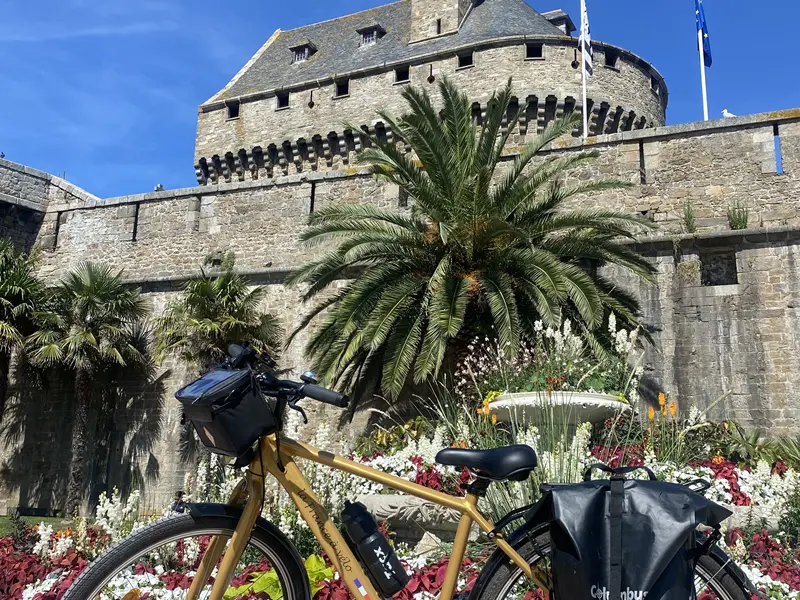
[483,245]
[401,351]
[500,297]
[214,312]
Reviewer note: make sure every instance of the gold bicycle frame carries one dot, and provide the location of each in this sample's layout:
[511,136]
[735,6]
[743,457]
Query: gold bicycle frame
[323,527]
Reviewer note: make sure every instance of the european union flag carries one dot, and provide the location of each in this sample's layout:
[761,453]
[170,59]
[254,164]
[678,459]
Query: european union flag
[703,26]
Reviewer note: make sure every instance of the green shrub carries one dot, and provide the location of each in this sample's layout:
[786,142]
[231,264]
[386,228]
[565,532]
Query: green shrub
[390,440]
[738,216]
[790,519]
[688,218]
[22,533]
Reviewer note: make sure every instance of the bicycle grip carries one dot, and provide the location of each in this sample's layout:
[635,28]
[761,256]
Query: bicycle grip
[325,395]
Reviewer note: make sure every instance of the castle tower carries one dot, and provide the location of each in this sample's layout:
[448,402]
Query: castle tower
[432,18]
[282,114]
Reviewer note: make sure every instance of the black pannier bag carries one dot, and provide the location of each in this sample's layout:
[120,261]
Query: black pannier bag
[625,539]
[228,410]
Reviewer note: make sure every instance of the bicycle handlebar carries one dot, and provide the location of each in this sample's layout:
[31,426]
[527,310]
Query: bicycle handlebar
[241,355]
[325,395]
[274,387]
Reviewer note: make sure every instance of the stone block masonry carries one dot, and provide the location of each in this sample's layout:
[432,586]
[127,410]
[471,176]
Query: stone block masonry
[25,194]
[313,134]
[175,231]
[19,224]
[168,234]
[736,335]
[711,335]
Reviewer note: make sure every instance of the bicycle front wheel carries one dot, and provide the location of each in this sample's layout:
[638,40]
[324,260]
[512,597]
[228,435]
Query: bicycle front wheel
[713,580]
[159,562]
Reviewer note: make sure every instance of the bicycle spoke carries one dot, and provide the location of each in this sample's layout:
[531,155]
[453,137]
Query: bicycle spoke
[168,571]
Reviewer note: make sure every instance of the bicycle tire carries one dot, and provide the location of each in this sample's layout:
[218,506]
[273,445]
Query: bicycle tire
[265,537]
[499,576]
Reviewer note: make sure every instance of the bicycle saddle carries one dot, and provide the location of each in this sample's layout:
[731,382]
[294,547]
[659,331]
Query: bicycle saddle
[509,462]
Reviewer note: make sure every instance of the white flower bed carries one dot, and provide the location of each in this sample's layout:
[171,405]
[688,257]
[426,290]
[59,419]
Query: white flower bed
[115,516]
[767,585]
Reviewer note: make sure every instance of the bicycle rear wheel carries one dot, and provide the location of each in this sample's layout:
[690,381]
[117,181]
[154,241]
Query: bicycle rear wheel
[714,578]
[159,561]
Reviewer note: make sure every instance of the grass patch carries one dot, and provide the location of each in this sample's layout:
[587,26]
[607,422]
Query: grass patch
[56,522]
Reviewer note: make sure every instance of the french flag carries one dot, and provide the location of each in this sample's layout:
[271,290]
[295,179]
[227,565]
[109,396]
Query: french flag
[362,589]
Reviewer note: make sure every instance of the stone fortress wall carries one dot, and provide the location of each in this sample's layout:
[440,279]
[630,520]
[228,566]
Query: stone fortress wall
[25,194]
[265,141]
[168,233]
[724,312]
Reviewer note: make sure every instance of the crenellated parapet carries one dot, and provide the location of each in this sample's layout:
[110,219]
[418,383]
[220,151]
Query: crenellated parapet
[337,149]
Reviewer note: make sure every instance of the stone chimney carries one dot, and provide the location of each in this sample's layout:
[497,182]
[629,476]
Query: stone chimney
[432,18]
[561,20]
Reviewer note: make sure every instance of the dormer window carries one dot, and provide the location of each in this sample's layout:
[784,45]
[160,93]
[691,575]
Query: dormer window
[370,35]
[302,52]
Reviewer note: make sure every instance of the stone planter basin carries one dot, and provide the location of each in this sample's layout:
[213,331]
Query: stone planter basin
[542,408]
[411,518]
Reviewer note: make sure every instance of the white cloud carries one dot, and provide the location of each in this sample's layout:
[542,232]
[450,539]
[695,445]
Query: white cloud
[59,33]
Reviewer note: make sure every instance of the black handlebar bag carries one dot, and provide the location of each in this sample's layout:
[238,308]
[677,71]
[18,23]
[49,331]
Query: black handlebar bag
[228,410]
[626,539]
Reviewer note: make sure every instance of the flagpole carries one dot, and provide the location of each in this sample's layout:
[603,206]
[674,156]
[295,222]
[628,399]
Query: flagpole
[585,108]
[702,73]
[582,43]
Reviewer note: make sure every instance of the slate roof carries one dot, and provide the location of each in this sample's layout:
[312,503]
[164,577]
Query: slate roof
[338,43]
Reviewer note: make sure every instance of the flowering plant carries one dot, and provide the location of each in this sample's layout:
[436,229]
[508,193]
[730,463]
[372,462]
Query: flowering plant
[554,360]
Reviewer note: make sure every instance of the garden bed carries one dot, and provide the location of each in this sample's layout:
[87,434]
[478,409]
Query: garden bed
[759,479]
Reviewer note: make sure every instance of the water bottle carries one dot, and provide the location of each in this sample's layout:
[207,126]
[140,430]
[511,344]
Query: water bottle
[372,549]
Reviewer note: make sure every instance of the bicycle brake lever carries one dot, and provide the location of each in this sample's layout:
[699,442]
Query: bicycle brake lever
[293,406]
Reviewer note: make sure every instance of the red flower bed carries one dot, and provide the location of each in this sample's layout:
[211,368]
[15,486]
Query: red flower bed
[428,579]
[774,560]
[779,468]
[429,477]
[17,570]
[71,562]
[725,469]
[614,456]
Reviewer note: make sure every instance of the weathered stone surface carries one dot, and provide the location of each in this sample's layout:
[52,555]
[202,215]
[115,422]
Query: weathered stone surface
[709,339]
[540,85]
[265,171]
[411,518]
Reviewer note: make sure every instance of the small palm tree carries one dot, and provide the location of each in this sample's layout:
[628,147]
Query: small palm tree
[94,329]
[21,296]
[486,243]
[212,313]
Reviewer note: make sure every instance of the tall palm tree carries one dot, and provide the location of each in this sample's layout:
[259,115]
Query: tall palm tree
[486,243]
[114,387]
[212,313]
[93,330]
[21,295]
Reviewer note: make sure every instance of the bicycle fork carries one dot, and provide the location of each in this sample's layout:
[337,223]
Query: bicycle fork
[252,488]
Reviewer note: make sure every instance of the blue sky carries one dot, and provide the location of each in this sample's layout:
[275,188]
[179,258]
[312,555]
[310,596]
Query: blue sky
[108,91]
